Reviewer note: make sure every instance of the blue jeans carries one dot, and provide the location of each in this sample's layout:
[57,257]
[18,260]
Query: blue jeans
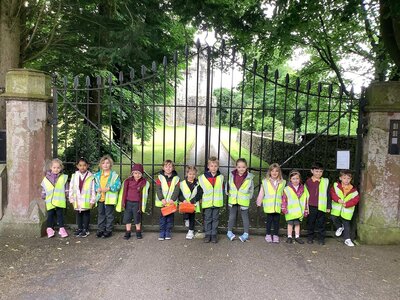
[166,224]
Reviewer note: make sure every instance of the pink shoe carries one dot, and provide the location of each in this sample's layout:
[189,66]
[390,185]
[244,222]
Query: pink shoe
[268,238]
[50,232]
[62,232]
[275,239]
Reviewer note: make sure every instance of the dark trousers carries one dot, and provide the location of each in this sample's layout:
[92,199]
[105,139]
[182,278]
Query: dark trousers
[166,224]
[105,217]
[339,222]
[52,213]
[232,217]
[273,221]
[191,218]
[211,220]
[316,223]
[82,219]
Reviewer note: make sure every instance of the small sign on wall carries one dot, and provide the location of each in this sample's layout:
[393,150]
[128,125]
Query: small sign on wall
[342,159]
[394,137]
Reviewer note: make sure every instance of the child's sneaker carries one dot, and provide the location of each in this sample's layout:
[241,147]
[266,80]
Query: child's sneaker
[168,235]
[84,233]
[349,243]
[62,232]
[244,237]
[299,240]
[230,235]
[187,223]
[268,238]
[161,238]
[275,239]
[289,240]
[214,239]
[139,235]
[339,231]
[127,235]
[190,235]
[99,234]
[77,232]
[107,234]
[50,232]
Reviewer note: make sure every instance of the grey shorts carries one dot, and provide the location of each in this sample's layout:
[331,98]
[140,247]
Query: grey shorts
[294,222]
[132,211]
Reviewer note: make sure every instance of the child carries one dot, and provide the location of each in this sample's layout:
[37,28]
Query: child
[320,203]
[83,196]
[213,198]
[54,192]
[133,198]
[270,196]
[107,185]
[191,192]
[294,205]
[167,192]
[345,197]
[240,189]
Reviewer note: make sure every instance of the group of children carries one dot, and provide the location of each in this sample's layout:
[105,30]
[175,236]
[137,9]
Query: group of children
[312,200]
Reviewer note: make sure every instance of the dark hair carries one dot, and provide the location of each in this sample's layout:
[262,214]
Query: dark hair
[346,172]
[294,173]
[243,160]
[82,159]
[317,165]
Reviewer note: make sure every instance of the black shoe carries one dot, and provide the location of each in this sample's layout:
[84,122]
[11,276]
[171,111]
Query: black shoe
[77,232]
[127,235]
[214,239]
[299,240]
[84,233]
[139,235]
[99,234]
[289,240]
[321,242]
[310,241]
[107,234]
[207,239]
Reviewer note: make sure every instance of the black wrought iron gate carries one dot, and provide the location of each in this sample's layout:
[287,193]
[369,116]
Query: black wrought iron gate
[203,102]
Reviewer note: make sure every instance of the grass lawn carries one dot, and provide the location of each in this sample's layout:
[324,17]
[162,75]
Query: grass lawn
[234,149]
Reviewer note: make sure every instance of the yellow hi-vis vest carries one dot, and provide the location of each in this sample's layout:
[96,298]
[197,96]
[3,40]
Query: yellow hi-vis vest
[55,194]
[145,195]
[213,196]
[295,205]
[323,194]
[189,195]
[166,190]
[86,192]
[242,195]
[111,197]
[338,209]
[272,200]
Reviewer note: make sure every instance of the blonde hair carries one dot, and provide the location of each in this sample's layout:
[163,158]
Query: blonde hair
[274,166]
[213,159]
[168,161]
[104,158]
[58,161]
[191,168]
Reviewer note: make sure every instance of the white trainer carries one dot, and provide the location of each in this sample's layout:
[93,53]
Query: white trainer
[190,235]
[339,231]
[349,243]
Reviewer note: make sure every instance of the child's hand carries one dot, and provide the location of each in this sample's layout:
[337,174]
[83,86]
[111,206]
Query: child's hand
[328,210]
[171,201]
[91,205]
[341,201]
[284,210]
[164,202]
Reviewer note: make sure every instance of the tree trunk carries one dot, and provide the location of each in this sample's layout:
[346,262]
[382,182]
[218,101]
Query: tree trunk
[10,34]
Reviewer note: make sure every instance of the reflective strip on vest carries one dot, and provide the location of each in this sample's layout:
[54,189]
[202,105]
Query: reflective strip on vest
[112,197]
[241,196]
[295,205]
[166,190]
[55,194]
[272,200]
[213,196]
[338,209]
[145,194]
[85,194]
[323,194]
[189,195]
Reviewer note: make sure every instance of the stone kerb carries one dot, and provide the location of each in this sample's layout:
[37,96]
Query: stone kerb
[379,208]
[28,147]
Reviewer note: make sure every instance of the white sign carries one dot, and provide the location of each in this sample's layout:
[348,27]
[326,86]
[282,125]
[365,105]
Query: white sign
[343,159]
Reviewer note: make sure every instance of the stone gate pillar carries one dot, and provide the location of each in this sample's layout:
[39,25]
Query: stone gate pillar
[379,209]
[27,95]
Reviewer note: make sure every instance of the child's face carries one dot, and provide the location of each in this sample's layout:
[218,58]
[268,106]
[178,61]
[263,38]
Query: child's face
[106,165]
[168,168]
[241,168]
[191,176]
[317,173]
[213,167]
[82,167]
[136,175]
[274,173]
[345,179]
[295,180]
[55,168]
